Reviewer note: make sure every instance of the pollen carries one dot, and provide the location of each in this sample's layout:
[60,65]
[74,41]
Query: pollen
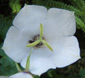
[35,38]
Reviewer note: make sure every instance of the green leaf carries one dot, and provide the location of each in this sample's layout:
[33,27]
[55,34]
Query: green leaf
[7,66]
[80,23]
[4,77]
[28,62]
[5,23]
[44,42]
[41,31]
[82,73]
[18,68]
[33,44]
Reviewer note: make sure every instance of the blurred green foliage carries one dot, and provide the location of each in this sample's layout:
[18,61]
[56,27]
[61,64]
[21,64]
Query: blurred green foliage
[7,66]
[15,5]
[82,73]
[5,23]
[9,8]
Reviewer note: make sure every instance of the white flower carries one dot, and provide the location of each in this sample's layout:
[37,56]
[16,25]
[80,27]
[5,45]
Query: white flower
[19,75]
[59,27]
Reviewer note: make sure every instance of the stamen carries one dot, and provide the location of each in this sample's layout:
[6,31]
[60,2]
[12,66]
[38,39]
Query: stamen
[35,38]
[39,40]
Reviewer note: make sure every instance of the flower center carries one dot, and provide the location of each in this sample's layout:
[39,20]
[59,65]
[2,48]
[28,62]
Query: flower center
[35,38]
[39,41]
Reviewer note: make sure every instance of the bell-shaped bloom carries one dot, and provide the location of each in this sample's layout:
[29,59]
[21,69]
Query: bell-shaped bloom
[59,27]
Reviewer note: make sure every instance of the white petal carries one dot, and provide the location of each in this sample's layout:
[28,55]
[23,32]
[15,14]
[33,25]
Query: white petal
[65,53]
[21,75]
[59,22]
[39,61]
[15,44]
[29,18]
[69,54]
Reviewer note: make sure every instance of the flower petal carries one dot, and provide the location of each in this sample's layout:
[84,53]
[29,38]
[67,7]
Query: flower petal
[30,17]
[15,44]
[39,61]
[59,22]
[69,54]
[21,75]
[65,53]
